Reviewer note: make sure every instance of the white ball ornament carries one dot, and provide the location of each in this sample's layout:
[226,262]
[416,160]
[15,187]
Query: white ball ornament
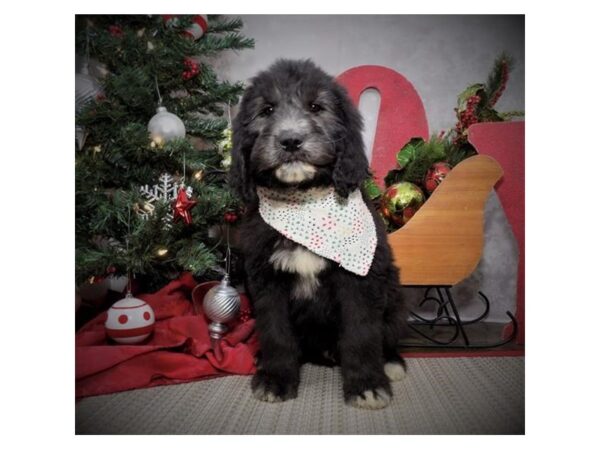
[165,126]
[130,320]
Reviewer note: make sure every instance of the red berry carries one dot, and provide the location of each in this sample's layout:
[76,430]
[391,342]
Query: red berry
[230,217]
[115,30]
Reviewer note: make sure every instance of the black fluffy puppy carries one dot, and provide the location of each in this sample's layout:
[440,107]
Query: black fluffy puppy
[297,129]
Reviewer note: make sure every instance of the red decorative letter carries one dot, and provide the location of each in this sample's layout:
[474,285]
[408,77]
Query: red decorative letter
[401,112]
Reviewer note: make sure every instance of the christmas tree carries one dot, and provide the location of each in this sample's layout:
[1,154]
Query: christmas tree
[134,209]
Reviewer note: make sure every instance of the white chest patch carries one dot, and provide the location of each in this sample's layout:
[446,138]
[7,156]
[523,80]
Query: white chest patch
[298,260]
[295,172]
[302,262]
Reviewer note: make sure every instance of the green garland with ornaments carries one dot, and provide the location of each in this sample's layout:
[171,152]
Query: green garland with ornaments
[423,164]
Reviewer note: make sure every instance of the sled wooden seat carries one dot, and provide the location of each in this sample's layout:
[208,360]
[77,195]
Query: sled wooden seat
[442,243]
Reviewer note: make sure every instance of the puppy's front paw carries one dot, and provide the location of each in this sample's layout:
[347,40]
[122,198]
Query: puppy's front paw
[371,399]
[270,388]
[394,370]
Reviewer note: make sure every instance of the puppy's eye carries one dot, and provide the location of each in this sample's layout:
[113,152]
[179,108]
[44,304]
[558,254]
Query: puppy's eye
[315,107]
[267,111]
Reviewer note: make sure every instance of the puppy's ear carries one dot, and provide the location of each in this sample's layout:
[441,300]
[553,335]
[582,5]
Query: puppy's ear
[351,167]
[239,174]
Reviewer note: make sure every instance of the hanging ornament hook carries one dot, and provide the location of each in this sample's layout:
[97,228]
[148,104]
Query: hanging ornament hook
[157,90]
[221,304]
[229,114]
[227,255]
[127,249]
[183,177]
[86,63]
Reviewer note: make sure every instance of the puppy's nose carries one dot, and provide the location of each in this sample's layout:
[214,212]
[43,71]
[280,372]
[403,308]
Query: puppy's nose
[290,141]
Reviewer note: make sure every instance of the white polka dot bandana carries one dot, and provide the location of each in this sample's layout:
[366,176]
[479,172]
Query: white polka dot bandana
[339,229]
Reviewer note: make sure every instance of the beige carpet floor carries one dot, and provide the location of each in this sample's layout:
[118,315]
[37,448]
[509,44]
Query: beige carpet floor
[439,396]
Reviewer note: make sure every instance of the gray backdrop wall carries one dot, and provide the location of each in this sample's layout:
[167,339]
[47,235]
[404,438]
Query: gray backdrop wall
[440,56]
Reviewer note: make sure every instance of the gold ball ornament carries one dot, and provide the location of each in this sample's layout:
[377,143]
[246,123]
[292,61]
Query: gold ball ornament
[225,145]
[401,201]
[226,162]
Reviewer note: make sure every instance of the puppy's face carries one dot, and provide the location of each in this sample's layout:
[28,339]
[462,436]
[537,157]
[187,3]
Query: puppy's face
[295,127]
[296,124]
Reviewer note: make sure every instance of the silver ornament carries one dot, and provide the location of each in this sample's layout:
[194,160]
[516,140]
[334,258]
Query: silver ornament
[165,126]
[86,88]
[81,135]
[221,304]
[94,67]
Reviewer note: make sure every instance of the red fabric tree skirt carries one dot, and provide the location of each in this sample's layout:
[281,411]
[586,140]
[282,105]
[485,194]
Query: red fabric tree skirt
[178,350]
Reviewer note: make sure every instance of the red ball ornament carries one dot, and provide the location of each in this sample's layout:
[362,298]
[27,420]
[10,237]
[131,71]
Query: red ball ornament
[435,175]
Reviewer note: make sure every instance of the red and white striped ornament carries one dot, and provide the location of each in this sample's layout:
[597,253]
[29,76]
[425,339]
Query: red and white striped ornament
[198,27]
[130,320]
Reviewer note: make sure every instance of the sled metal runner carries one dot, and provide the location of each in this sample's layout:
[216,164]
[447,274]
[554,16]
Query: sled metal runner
[447,315]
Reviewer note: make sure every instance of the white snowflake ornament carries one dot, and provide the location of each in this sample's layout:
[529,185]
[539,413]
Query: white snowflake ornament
[165,191]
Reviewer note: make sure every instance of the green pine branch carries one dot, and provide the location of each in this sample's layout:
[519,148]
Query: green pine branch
[217,25]
[211,43]
[211,128]
[497,78]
